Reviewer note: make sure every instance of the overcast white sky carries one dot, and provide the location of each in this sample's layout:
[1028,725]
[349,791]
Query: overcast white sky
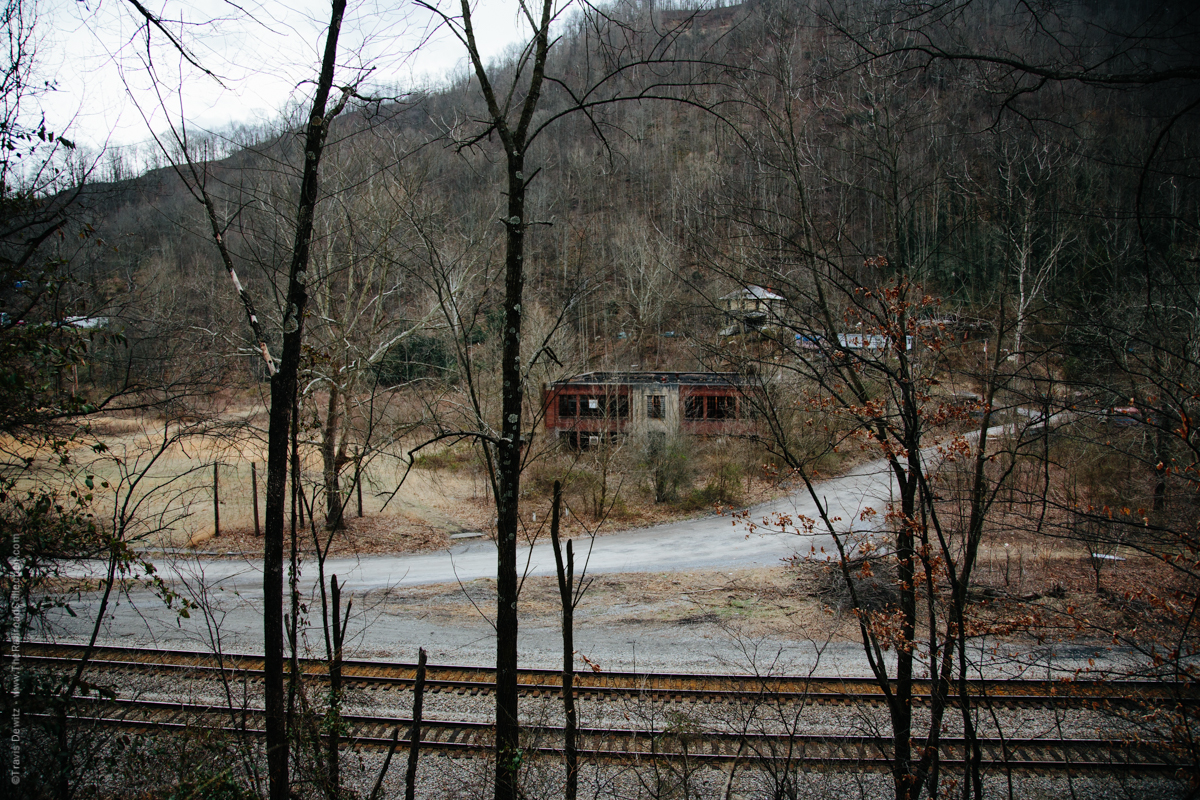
[263,50]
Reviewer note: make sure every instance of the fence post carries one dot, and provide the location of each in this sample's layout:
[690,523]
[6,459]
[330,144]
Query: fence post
[216,501]
[358,479]
[254,492]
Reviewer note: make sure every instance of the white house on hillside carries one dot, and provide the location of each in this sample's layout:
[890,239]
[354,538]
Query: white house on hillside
[751,309]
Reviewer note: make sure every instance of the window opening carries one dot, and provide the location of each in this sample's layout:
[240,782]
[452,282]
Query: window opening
[654,406]
[568,405]
[722,407]
[591,406]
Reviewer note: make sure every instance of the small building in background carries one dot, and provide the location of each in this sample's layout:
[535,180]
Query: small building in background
[587,409]
[750,309]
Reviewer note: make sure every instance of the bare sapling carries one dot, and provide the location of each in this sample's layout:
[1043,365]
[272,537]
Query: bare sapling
[414,738]
[566,579]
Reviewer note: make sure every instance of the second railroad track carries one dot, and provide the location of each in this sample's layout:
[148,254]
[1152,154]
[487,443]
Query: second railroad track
[695,688]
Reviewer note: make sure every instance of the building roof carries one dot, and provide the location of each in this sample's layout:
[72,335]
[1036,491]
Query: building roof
[752,293]
[628,378]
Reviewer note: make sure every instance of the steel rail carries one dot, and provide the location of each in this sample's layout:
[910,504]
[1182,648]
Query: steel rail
[374,675]
[627,745]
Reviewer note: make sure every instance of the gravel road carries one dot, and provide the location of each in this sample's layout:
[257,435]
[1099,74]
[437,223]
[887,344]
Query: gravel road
[388,621]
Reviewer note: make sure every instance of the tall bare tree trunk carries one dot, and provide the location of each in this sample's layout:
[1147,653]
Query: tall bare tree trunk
[330,463]
[509,482]
[283,393]
[508,448]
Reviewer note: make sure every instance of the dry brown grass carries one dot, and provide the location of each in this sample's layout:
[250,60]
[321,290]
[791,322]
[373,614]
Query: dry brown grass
[1019,571]
[446,493]
[175,491]
[754,602]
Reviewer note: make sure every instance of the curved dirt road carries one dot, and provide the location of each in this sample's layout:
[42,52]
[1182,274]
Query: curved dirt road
[710,542]
[231,589]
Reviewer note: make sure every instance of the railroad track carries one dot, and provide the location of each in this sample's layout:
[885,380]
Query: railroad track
[692,688]
[631,746]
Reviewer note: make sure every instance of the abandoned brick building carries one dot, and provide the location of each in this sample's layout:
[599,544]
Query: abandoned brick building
[583,410]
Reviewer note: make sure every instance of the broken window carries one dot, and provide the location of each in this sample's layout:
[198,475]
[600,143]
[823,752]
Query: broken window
[622,406]
[568,405]
[654,406]
[722,407]
[591,406]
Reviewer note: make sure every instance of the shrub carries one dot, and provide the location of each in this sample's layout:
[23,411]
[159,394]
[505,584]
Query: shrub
[416,357]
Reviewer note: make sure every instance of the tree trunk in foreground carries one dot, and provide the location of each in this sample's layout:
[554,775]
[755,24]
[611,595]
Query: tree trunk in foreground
[508,449]
[283,392]
[566,591]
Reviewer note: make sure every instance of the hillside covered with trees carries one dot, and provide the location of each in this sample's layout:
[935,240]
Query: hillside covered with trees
[976,225]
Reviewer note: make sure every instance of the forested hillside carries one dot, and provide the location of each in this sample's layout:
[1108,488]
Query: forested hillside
[975,226]
[1028,174]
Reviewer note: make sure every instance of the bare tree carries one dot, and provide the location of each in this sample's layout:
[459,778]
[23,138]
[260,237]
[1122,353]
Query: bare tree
[631,64]
[842,211]
[283,393]
[514,132]
[646,264]
[1028,195]
[365,305]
